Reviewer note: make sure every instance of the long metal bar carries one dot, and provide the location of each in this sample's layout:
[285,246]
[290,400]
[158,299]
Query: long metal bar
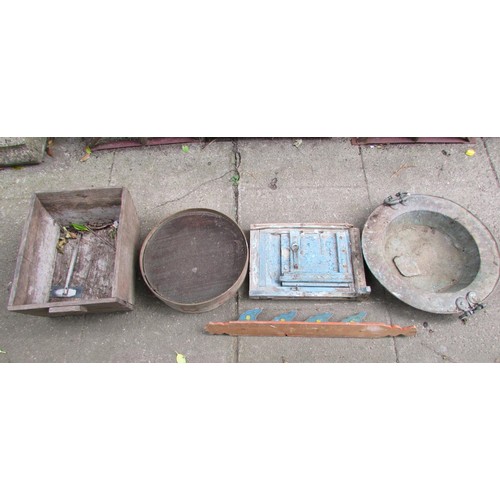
[370,141]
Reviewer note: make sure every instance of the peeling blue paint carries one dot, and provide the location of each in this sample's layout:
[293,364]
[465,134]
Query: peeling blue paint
[288,316]
[319,318]
[250,315]
[355,318]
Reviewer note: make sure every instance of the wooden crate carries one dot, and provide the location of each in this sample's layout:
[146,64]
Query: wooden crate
[106,272]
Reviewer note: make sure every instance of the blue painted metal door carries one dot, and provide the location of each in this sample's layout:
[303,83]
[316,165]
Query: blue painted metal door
[301,261]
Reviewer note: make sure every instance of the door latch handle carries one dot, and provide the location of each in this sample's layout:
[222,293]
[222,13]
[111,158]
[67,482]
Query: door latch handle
[295,255]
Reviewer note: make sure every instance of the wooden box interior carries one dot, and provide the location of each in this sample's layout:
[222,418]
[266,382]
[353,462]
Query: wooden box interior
[106,274]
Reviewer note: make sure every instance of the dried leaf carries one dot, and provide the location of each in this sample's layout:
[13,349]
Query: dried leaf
[2,352]
[60,245]
[180,358]
[87,154]
[17,167]
[48,147]
[185,148]
[68,234]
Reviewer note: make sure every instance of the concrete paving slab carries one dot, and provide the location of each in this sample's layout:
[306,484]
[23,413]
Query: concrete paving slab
[326,204]
[315,162]
[164,180]
[299,350]
[443,338]
[13,214]
[436,169]
[322,181]
[28,339]
[62,172]
[492,145]
[154,332]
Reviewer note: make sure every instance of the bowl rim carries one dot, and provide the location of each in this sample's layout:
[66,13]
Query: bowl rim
[373,241]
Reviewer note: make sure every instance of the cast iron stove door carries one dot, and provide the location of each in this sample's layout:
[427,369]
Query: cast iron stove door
[306,260]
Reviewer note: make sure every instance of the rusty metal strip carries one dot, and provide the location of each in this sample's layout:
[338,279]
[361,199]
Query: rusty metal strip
[368,141]
[307,329]
[146,141]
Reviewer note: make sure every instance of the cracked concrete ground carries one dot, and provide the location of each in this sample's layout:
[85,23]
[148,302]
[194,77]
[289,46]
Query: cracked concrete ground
[322,180]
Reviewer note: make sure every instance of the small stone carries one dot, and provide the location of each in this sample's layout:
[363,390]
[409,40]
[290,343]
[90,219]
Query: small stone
[425,324]
[21,150]
[8,142]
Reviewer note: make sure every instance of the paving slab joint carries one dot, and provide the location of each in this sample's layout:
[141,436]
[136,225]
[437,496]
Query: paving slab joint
[443,356]
[236,190]
[236,178]
[492,166]
[388,310]
[111,169]
[365,176]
